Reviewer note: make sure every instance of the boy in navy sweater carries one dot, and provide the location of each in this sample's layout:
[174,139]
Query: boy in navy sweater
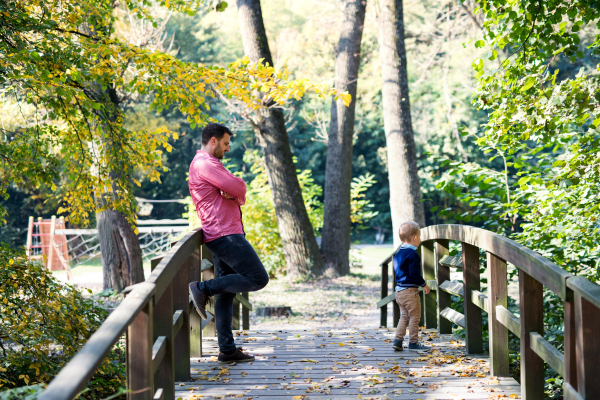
[407,268]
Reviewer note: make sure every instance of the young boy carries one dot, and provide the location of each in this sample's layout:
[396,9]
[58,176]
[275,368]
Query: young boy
[407,267]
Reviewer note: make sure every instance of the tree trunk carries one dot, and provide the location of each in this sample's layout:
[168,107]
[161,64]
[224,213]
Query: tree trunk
[301,251]
[338,176]
[120,250]
[405,190]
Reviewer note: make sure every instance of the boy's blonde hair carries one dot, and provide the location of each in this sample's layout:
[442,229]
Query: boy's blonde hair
[407,230]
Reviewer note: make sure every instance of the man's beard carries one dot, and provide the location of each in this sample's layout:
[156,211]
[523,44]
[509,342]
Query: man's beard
[219,153]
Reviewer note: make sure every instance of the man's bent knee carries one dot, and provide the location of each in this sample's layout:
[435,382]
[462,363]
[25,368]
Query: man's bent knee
[260,282]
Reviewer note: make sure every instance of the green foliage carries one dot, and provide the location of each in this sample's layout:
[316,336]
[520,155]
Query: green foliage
[361,208]
[68,75]
[43,324]
[544,128]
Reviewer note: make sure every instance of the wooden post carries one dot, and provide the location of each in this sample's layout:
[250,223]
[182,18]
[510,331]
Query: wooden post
[211,329]
[181,340]
[163,326]
[498,296]
[29,237]
[442,274]
[51,248]
[384,293]
[245,313]
[532,320]
[587,325]
[395,305]
[570,340]
[139,356]
[473,326]
[429,304]
[235,323]
[195,263]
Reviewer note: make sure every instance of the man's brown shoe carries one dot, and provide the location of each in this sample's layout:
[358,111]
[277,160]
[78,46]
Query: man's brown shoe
[199,299]
[238,356]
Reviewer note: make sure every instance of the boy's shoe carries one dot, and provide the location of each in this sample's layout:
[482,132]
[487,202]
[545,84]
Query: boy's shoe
[397,345]
[417,346]
[238,356]
[199,299]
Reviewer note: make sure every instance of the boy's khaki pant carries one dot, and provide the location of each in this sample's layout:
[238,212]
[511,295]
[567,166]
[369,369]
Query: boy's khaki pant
[410,307]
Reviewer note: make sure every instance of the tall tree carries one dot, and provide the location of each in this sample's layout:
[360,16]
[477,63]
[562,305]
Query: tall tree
[405,190]
[301,250]
[338,175]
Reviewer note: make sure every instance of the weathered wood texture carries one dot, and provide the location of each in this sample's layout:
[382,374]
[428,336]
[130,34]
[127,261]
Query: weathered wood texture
[209,273]
[471,281]
[164,375]
[429,300]
[497,296]
[396,308]
[532,320]
[587,326]
[294,363]
[140,380]
[195,275]
[442,274]
[543,270]
[384,293]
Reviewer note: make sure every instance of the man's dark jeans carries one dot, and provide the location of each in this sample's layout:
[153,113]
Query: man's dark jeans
[238,269]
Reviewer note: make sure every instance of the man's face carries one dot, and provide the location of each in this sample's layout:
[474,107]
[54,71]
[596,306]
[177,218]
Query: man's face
[222,146]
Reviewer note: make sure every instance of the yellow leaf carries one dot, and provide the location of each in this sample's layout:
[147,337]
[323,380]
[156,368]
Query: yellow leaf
[341,344]
[297,397]
[513,396]
[421,391]
[480,375]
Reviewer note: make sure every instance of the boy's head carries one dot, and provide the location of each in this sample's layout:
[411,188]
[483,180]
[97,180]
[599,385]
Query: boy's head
[410,233]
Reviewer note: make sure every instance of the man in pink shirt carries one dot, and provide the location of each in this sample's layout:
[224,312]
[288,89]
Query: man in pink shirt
[218,195]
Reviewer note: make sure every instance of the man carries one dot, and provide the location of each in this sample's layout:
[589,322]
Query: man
[218,195]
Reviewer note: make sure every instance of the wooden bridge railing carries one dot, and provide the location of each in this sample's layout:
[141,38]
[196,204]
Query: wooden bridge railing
[162,329]
[580,363]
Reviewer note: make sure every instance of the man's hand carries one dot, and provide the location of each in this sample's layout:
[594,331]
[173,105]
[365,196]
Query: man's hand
[227,195]
[426,289]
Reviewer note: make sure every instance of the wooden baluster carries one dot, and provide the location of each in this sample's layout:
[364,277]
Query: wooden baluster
[211,329]
[497,296]
[587,326]
[531,294]
[163,326]
[139,356]
[195,261]
[181,341]
[570,340]
[235,323]
[384,293]
[245,313]
[473,325]
[395,305]
[442,274]
[429,300]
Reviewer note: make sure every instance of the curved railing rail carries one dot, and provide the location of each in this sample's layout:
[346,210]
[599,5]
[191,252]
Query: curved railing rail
[162,330]
[580,363]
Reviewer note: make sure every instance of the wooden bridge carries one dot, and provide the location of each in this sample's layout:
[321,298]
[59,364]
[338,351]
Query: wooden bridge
[167,357]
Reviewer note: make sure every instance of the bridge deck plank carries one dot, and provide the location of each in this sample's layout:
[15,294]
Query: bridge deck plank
[369,357]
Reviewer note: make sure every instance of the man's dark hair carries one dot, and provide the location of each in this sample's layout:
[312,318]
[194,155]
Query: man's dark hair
[214,130]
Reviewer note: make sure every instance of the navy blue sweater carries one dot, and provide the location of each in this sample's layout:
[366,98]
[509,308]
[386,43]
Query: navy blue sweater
[407,267]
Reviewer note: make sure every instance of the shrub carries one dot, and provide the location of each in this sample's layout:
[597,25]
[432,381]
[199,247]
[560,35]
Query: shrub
[43,324]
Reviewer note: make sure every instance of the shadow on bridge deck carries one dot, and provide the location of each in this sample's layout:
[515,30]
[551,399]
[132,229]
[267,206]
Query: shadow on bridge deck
[344,364]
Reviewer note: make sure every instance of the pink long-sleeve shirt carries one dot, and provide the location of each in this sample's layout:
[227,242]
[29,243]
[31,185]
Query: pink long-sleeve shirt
[219,216]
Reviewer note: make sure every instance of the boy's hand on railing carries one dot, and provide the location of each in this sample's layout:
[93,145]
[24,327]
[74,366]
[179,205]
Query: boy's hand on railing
[426,289]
